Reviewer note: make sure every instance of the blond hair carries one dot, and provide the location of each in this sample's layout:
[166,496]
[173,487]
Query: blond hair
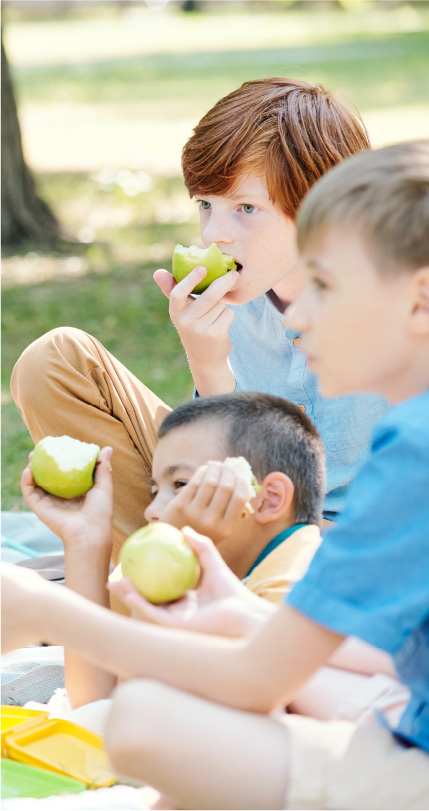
[384,193]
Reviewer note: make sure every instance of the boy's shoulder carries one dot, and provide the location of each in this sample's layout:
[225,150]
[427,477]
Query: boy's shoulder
[408,420]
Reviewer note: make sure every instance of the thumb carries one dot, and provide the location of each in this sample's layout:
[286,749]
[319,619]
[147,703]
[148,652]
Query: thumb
[103,468]
[205,550]
[165,281]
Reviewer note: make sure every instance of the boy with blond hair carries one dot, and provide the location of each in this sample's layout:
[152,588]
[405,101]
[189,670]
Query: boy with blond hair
[249,163]
[201,724]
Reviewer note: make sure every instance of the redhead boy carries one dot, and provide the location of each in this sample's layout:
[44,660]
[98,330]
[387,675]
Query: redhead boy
[200,724]
[250,162]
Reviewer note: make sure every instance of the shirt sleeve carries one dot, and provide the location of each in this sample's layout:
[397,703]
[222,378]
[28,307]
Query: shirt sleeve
[370,576]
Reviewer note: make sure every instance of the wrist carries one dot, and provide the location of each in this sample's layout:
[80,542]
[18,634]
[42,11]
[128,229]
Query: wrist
[213,378]
[89,542]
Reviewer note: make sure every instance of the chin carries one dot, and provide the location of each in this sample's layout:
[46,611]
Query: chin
[236,297]
[329,388]
[332,388]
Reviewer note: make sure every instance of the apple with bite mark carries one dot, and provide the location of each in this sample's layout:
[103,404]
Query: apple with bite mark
[64,466]
[159,562]
[216,262]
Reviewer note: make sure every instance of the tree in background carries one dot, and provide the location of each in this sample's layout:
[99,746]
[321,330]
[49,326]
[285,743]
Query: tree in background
[25,216]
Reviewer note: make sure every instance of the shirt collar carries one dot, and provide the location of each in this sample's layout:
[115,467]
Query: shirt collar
[282,536]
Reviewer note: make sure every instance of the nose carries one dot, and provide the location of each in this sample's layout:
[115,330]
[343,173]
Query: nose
[216,228]
[296,314]
[154,510]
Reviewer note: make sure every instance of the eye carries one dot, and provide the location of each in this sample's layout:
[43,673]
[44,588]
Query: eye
[204,205]
[153,494]
[319,284]
[247,208]
[179,483]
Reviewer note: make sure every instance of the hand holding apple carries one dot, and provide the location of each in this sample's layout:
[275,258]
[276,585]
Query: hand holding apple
[216,263]
[64,466]
[220,605]
[159,562]
[84,519]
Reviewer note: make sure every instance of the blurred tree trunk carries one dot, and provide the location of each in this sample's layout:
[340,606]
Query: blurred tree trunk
[24,214]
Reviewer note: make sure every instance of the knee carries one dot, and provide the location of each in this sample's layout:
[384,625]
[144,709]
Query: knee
[36,366]
[134,727]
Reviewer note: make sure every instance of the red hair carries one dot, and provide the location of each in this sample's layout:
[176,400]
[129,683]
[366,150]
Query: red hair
[290,132]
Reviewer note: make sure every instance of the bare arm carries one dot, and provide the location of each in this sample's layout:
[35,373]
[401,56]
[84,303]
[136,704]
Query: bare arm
[257,673]
[360,657]
[84,526]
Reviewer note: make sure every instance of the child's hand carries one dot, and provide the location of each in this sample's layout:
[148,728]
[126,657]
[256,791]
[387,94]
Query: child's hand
[83,520]
[203,324]
[212,503]
[220,604]
[21,593]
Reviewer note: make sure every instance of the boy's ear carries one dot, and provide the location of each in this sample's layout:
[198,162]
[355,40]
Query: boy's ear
[420,311]
[274,498]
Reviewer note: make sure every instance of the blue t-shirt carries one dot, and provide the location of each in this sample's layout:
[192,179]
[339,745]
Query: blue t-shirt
[266,357]
[370,576]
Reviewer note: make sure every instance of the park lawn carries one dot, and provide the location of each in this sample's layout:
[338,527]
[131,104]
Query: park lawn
[103,283]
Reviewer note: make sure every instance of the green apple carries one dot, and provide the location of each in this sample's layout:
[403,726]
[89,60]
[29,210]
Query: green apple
[160,562]
[64,466]
[216,262]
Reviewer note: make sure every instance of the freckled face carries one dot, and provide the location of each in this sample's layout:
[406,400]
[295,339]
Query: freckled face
[352,318]
[255,232]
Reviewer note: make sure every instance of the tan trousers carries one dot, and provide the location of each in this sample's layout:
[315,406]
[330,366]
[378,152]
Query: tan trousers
[67,383]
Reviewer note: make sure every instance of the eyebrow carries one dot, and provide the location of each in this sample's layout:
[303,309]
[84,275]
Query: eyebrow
[235,196]
[248,193]
[315,265]
[171,470]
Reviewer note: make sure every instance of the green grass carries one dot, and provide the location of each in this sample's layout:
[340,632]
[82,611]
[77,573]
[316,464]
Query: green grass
[173,73]
[104,288]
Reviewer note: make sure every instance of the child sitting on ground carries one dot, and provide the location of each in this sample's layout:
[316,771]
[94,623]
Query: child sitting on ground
[204,700]
[271,547]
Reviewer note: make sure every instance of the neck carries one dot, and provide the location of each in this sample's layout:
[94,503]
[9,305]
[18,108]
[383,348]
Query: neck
[286,291]
[279,303]
[240,553]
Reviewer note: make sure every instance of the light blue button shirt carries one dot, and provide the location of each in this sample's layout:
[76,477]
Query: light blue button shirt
[265,358]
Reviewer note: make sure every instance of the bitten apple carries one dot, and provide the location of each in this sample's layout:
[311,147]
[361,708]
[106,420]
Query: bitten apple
[216,262]
[64,466]
[159,561]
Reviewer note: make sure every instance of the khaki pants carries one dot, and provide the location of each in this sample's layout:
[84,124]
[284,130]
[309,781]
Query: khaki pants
[339,765]
[67,383]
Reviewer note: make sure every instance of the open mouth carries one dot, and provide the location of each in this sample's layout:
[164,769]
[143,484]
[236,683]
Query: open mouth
[239,266]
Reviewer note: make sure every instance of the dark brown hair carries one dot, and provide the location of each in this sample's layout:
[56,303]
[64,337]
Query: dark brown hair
[384,194]
[290,132]
[273,434]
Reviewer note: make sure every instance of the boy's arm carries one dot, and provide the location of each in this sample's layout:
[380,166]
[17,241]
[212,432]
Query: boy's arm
[84,526]
[257,673]
[203,324]
[358,656]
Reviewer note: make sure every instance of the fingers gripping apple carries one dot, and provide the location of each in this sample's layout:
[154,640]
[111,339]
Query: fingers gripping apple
[64,466]
[160,562]
[216,262]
